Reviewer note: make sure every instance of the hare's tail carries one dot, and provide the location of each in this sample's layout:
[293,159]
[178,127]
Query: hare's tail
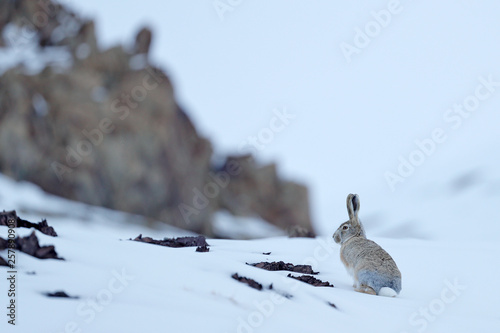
[388,292]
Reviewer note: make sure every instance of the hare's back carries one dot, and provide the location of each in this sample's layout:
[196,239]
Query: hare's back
[363,253]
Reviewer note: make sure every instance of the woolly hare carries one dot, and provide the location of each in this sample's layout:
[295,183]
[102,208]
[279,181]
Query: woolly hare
[373,269]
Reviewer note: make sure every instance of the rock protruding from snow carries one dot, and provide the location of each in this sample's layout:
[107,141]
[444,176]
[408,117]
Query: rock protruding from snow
[31,246]
[311,280]
[251,282]
[42,226]
[199,241]
[282,266]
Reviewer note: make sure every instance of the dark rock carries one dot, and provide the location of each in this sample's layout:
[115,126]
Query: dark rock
[254,284]
[31,246]
[202,249]
[199,241]
[43,227]
[281,266]
[60,294]
[8,218]
[251,283]
[311,280]
[266,253]
[332,305]
[3,262]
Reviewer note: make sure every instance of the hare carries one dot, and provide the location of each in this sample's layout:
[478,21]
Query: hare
[373,269]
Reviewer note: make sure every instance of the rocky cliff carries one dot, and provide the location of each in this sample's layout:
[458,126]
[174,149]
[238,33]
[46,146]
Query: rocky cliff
[103,127]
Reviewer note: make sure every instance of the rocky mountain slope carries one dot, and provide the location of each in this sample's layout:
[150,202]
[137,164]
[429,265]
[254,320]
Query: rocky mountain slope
[102,126]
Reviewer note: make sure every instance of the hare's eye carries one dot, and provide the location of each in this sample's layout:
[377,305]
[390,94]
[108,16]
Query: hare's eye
[345,227]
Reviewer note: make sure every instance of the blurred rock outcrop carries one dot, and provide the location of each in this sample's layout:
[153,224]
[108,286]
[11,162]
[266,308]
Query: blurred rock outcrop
[103,127]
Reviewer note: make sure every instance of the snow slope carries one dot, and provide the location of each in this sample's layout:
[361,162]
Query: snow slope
[126,286]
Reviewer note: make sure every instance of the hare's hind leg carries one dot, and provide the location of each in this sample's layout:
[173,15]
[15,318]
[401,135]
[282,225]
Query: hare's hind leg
[366,290]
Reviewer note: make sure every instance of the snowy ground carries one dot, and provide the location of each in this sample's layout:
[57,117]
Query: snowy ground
[127,286]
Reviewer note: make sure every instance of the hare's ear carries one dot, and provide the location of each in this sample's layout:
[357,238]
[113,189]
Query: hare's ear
[353,206]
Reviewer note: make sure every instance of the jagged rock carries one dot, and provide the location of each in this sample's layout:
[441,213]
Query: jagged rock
[251,283]
[311,280]
[203,248]
[199,241]
[103,127]
[31,246]
[8,218]
[282,266]
[60,294]
[42,226]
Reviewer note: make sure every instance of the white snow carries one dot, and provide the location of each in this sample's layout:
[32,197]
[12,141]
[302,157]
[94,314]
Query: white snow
[230,226]
[83,51]
[125,286]
[40,105]
[23,50]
